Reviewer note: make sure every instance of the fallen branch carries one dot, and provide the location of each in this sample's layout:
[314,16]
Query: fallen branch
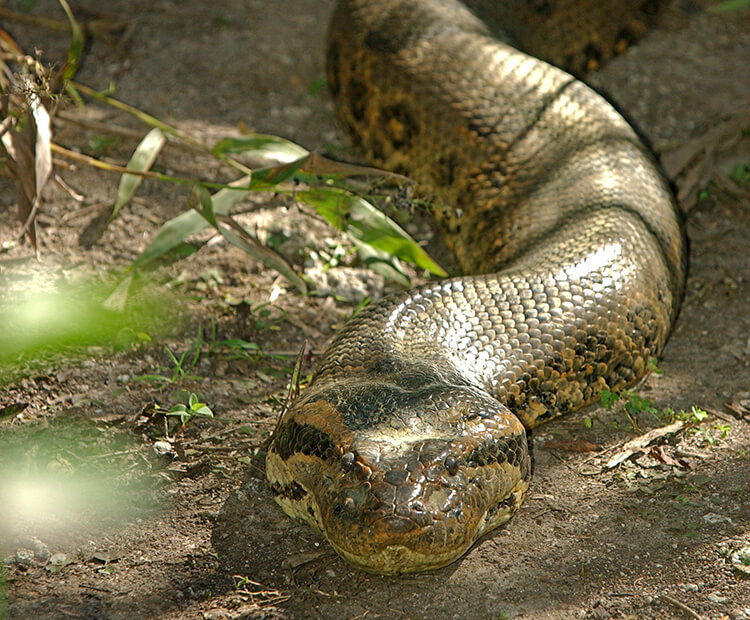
[639,444]
[672,601]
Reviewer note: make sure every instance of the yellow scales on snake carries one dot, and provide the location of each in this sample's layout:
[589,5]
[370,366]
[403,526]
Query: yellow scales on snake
[410,442]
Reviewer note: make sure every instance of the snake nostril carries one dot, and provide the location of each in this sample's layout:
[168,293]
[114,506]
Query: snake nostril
[347,461]
[451,465]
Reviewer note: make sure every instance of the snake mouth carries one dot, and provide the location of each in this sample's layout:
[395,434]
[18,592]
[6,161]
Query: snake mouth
[396,539]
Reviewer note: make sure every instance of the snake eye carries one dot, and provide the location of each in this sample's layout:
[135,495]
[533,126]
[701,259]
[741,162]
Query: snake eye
[451,464]
[347,461]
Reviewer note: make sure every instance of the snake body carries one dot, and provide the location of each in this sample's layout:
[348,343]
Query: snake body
[410,441]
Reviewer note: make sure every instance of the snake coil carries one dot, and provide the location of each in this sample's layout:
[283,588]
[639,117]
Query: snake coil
[410,442]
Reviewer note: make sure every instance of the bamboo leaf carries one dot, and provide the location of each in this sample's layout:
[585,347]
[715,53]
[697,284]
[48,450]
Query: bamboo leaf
[271,176]
[239,237]
[174,232]
[142,159]
[262,146]
[383,263]
[368,225]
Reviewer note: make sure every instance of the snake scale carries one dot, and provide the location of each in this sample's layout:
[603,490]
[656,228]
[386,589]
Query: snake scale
[410,441]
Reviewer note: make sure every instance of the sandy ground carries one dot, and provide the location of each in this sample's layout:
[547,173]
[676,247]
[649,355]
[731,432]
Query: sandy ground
[651,538]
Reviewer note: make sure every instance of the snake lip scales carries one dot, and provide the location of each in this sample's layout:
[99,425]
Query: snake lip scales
[410,441]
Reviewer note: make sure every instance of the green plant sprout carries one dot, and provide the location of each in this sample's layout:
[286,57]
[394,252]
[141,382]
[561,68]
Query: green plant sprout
[186,413]
[181,366]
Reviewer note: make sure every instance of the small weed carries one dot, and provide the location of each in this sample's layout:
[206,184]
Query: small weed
[186,412]
[240,349]
[316,86]
[100,145]
[181,366]
[708,434]
[741,174]
[632,405]
[3,596]
[264,318]
[608,399]
[694,416]
[653,367]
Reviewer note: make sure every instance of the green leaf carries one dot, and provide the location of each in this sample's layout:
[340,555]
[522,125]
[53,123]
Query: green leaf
[204,411]
[153,378]
[741,174]
[636,404]
[262,146]
[381,262]
[608,399]
[316,86]
[174,232]
[239,237]
[368,225]
[75,49]
[142,160]
[698,414]
[238,343]
[271,176]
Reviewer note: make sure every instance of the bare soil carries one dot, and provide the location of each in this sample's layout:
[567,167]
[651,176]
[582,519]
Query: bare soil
[650,538]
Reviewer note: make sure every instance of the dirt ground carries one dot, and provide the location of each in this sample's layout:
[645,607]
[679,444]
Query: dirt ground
[202,537]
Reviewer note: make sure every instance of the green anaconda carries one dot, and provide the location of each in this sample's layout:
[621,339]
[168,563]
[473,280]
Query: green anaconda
[410,441]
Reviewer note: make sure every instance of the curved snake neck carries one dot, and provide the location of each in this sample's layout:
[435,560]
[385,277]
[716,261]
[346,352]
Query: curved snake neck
[409,443]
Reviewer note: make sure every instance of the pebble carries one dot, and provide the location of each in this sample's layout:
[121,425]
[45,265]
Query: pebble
[58,559]
[41,551]
[23,557]
[163,448]
[714,518]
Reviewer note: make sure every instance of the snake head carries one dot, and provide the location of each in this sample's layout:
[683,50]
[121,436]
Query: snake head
[399,480]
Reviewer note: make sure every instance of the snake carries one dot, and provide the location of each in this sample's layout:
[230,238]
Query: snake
[411,440]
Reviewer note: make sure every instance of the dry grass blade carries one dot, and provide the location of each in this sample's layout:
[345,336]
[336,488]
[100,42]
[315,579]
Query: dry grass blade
[152,121]
[26,136]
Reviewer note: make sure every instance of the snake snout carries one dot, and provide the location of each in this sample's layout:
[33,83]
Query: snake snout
[406,507]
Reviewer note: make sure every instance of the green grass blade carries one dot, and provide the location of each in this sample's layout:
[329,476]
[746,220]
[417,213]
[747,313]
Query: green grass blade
[75,49]
[729,5]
